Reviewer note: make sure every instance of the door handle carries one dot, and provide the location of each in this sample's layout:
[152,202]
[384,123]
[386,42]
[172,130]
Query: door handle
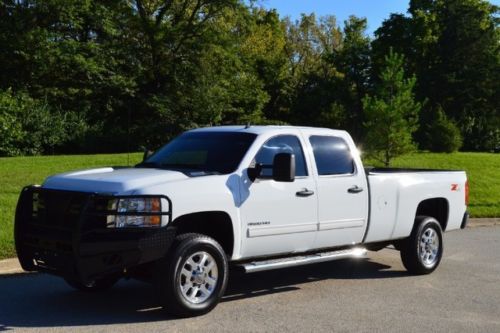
[304,193]
[355,189]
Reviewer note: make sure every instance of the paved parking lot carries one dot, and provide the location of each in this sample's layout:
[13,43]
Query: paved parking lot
[367,295]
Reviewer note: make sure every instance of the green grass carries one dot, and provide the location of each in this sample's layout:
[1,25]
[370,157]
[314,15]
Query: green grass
[16,172]
[482,169]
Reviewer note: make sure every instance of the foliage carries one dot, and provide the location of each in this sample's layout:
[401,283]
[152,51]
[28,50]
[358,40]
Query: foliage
[329,72]
[113,76]
[29,127]
[10,129]
[391,114]
[452,48]
[354,61]
[442,135]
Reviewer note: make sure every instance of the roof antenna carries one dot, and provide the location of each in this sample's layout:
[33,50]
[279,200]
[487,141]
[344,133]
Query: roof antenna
[248,125]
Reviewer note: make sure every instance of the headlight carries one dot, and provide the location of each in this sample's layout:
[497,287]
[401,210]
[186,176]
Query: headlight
[135,212]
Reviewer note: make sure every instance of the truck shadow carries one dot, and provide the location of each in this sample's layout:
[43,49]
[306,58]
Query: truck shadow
[243,285]
[39,300]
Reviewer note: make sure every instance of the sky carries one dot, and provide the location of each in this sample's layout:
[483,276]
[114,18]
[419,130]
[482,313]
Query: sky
[376,11]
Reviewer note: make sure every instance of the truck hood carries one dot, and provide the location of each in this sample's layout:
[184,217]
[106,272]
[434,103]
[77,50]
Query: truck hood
[111,180]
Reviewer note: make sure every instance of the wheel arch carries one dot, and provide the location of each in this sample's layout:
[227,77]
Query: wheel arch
[437,208]
[215,224]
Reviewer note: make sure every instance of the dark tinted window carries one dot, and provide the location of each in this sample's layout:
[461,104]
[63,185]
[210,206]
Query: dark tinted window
[219,152]
[281,144]
[332,155]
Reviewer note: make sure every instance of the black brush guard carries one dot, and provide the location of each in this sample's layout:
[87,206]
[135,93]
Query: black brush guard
[64,233]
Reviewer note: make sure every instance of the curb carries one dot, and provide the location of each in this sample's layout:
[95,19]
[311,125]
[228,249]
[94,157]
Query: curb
[483,222]
[11,267]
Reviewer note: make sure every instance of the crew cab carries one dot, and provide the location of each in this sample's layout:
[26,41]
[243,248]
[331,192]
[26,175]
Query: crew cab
[249,197]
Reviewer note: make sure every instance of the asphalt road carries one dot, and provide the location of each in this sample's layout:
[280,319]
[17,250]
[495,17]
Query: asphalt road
[366,295]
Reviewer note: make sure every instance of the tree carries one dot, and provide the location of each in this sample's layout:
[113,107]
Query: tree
[391,114]
[11,131]
[469,74]
[353,61]
[73,57]
[262,47]
[30,127]
[314,78]
[110,71]
[441,134]
[452,48]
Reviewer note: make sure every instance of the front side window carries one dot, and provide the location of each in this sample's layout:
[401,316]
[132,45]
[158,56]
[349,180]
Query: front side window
[332,155]
[281,144]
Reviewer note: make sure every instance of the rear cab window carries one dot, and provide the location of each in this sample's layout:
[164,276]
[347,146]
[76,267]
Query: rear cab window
[332,155]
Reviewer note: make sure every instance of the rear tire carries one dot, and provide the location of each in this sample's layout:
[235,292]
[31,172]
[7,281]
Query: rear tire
[421,253]
[192,279]
[96,285]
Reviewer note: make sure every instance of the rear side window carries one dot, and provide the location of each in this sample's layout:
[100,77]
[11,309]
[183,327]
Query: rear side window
[332,155]
[281,144]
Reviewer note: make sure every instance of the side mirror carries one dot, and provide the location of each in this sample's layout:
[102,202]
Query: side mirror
[147,154]
[284,167]
[254,172]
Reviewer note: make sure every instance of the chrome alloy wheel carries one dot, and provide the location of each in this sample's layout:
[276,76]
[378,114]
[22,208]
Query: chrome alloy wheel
[429,247]
[198,277]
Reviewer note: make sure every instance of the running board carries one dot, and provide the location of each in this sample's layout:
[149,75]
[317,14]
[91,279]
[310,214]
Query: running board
[257,266]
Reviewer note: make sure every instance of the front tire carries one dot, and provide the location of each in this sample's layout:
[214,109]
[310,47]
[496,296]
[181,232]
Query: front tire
[421,253]
[192,279]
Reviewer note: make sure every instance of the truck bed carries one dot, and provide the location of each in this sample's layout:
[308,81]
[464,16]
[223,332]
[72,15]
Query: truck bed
[396,195]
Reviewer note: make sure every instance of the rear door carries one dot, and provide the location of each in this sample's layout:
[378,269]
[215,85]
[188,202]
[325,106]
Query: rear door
[342,192]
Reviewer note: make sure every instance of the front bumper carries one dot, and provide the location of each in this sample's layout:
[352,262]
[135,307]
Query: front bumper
[68,236]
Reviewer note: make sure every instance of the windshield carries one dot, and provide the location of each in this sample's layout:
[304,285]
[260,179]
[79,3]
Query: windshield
[202,152]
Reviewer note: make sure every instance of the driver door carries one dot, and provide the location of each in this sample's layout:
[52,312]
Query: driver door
[279,217]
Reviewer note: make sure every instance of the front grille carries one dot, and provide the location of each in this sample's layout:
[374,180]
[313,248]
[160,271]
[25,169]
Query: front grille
[47,222]
[57,209]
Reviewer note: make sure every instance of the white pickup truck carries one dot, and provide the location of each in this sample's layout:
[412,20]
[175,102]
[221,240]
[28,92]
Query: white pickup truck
[255,197]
